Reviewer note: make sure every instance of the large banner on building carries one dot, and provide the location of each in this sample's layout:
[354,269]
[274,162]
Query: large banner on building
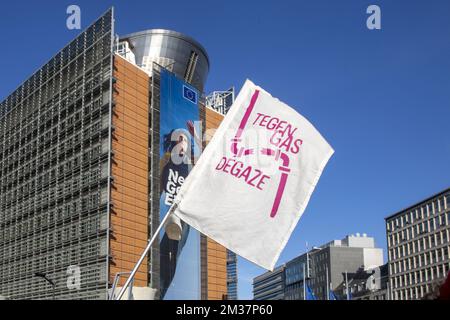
[180,145]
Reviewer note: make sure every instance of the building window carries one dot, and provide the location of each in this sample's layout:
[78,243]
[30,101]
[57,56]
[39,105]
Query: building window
[441,204]
[442,220]
[431,225]
[441,270]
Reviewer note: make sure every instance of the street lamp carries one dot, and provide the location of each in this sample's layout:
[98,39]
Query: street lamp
[44,276]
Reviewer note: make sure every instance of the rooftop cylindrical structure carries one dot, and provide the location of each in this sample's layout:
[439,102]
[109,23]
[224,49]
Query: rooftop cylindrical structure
[175,51]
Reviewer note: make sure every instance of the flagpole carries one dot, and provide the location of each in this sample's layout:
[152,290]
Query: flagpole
[144,254]
[328,284]
[346,284]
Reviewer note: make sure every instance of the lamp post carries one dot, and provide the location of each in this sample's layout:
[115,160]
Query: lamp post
[44,276]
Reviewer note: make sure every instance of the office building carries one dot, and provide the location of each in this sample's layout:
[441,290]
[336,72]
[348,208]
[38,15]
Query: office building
[55,172]
[270,285]
[370,284]
[232,276]
[85,166]
[418,247]
[325,268]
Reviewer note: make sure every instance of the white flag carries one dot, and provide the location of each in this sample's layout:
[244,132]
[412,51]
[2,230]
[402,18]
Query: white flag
[252,183]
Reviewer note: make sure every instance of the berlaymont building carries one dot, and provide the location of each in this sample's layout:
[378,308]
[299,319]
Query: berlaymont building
[86,174]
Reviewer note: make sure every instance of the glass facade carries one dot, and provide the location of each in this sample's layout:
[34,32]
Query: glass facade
[54,169]
[270,285]
[232,277]
[294,278]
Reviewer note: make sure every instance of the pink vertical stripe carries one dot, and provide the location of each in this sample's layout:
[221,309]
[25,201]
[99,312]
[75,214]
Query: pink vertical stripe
[279,195]
[247,114]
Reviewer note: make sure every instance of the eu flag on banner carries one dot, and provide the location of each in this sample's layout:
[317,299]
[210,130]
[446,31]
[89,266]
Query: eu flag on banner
[189,94]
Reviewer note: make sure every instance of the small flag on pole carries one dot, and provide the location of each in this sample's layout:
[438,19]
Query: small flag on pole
[332,296]
[254,180]
[310,294]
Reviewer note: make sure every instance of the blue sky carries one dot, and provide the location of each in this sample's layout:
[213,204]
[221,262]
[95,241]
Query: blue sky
[381,98]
